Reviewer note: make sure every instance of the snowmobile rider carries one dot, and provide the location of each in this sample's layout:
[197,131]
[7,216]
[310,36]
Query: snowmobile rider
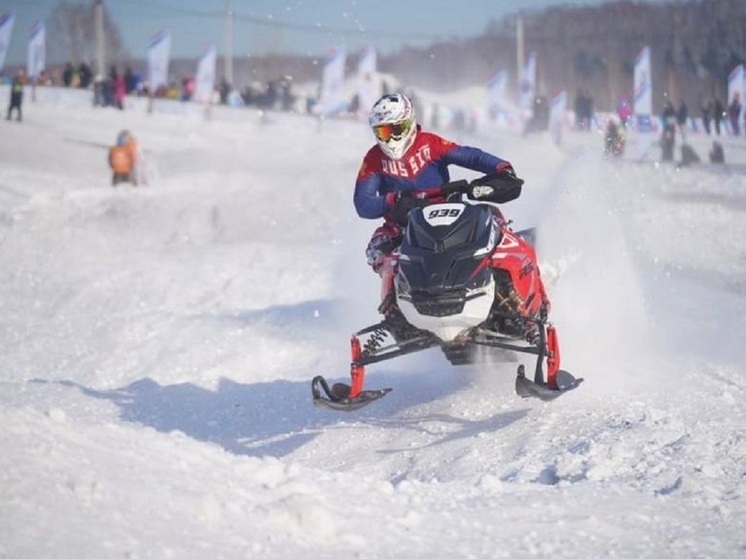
[406,159]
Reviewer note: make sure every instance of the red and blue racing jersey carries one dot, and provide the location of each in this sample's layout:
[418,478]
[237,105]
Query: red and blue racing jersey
[425,165]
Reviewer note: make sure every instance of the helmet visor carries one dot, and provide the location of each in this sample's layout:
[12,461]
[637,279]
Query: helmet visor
[397,130]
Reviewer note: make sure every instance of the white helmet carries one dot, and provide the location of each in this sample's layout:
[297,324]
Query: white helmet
[393,123]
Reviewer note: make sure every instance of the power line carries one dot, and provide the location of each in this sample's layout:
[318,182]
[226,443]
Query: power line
[278,24]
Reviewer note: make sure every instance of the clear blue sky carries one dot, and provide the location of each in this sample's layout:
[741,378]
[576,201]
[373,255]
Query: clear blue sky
[298,26]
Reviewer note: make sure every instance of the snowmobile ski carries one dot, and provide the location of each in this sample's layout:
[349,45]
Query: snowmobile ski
[526,388]
[345,397]
[337,398]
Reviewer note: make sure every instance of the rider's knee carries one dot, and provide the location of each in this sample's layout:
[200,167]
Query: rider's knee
[382,244]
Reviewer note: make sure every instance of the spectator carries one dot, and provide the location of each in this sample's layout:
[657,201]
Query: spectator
[16,96]
[108,91]
[583,110]
[734,113]
[86,75]
[124,159]
[707,109]
[98,91]
[120,90]
[623,110]
[668,136]
[129,80]
[225,89]
[718,112]
[43,79]
[539,120]
[188,87]
[67,74]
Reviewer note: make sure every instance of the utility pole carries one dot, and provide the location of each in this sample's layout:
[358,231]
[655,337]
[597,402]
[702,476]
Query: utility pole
[228,62]
[100,38]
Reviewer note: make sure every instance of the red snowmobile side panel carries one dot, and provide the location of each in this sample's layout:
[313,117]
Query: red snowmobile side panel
[518,258]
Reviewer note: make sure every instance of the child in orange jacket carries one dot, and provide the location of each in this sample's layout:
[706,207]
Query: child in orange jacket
[123,159]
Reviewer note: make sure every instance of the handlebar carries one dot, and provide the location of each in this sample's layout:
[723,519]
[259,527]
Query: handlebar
[498,188]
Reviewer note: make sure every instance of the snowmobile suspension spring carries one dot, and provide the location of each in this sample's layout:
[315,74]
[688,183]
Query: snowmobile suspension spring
[374,341]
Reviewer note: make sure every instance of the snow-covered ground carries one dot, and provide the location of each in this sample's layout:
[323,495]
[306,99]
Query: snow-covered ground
[158,345]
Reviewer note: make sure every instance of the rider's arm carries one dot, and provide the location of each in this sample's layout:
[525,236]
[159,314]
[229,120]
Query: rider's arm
[369,201]
[474,159]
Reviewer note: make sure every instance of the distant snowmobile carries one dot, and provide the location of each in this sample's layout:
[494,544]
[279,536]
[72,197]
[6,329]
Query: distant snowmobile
[614,139]
[461,279]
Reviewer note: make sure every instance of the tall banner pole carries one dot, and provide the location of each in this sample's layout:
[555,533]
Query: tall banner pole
[367,86]
[159,53]
[228,61]
[205,85]
[6,31]
[528,83]
[331,99]
[643,102]
[495,96]
[100,39]
[557,116]
[36,59]
[519,54]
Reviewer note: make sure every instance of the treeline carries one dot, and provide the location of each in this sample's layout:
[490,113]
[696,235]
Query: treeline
[694,46]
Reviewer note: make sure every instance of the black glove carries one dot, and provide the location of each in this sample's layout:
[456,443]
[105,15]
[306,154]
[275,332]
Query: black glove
[503,186]
[405,202]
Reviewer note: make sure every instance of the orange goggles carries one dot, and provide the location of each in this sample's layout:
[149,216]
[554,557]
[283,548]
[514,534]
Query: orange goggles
[385,132]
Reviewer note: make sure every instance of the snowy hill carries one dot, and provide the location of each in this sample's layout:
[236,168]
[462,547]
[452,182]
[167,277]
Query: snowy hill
[159,343]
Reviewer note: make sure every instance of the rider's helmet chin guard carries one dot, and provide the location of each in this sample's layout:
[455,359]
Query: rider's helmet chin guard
[393,122]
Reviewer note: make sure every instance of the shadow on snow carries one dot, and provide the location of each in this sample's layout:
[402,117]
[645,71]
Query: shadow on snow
[275,418]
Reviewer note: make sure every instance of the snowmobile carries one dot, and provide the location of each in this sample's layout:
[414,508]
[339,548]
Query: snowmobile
[461,280]
[614,140]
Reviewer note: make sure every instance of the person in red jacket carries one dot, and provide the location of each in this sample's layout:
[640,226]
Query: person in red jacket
[406,159]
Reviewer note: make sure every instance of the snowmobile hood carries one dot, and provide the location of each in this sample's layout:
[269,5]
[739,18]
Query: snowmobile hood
[444,245]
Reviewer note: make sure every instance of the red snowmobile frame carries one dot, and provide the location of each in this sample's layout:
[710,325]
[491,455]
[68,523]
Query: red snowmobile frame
[518,319]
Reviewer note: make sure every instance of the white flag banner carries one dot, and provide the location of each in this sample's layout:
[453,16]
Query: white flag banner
[557,112]
[332,99]
[528,83]
[495,93]
[159,53]
[206,76]
[37,51]
[6,30]
[736,86]
[643,102]
[367,88]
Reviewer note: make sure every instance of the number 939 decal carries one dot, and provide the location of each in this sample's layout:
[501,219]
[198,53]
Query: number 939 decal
[442,214]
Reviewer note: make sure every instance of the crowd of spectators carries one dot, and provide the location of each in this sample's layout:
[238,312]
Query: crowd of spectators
[110,89]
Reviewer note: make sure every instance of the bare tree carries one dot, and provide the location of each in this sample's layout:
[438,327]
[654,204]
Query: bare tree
[72,33]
